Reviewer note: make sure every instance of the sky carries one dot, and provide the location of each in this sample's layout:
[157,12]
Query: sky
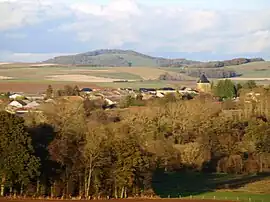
[36,30]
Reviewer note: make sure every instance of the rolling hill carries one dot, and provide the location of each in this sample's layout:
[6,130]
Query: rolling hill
[117,58]
[125,58]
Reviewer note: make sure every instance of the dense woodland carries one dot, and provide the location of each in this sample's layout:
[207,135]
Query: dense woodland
[196,72]
[212,64]
[79,149]
[212,72]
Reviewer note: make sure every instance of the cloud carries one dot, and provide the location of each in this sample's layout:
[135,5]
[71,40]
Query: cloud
[131,24]
[15,14]
[15,35]
[28,57]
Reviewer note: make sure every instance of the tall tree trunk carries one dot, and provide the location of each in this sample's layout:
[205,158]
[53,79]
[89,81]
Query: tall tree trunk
[85,182]
[21,190]
[66,189]
[115,191]
[38,187]
[122,192]
[166,165]
[89,179]
[2,191]
[80,186]
[261,164]
[53,189]
[10,190]
[125,192]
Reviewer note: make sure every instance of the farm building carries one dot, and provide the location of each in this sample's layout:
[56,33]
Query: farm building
[17,104]
[204,84]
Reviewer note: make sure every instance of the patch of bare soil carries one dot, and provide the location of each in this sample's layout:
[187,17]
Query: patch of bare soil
[4,63]
[43,65]
[80,78]
[5,77]
[35,87]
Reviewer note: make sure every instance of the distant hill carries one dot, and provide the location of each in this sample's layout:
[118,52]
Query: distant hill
[117,58]
[124,58]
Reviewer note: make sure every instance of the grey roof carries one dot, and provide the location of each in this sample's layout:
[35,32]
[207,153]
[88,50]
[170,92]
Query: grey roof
[203,79]
[21,102]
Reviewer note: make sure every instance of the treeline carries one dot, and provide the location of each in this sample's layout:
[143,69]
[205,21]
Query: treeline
[66,91]
[225,63]
[212,64]
[75,149]
[196,72]
[172,77]
[212,72]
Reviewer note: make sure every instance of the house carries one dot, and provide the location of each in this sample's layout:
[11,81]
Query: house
[50,101]
[160,94]
[186,90]
[35,97]
[167,89]
[15,96]
[148,90]
[86,90]
[125,89]
[204,84]
[109,103]
[17,104]
[32,105]
[164,91]
[26,101]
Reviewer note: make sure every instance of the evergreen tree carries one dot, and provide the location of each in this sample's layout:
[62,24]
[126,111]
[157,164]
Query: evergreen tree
[225,89]
[49,92]
[17,163]
[76,90]
[238,88]
[68,90]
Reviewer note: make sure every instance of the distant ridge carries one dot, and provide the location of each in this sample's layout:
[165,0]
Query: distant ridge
[124,58]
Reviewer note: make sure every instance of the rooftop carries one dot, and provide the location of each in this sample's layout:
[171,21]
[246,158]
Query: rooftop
[203,79]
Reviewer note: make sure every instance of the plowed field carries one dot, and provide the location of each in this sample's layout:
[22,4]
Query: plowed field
[38,87]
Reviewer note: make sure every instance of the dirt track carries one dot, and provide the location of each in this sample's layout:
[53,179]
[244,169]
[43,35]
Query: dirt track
[118,200]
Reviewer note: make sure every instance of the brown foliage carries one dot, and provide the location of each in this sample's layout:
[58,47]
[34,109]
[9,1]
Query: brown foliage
[96,152]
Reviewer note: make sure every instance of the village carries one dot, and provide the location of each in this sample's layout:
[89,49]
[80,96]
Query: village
[21,103]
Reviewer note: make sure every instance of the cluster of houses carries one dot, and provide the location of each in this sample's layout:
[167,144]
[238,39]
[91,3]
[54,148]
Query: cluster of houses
[20,103]
[164,91]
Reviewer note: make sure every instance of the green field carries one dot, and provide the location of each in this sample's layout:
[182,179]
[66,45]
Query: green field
[253,70]
[136,60]
[137,84]
[149,74]
[116,75]
[219,186]
[233,196]
[39,73]
[249,70]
